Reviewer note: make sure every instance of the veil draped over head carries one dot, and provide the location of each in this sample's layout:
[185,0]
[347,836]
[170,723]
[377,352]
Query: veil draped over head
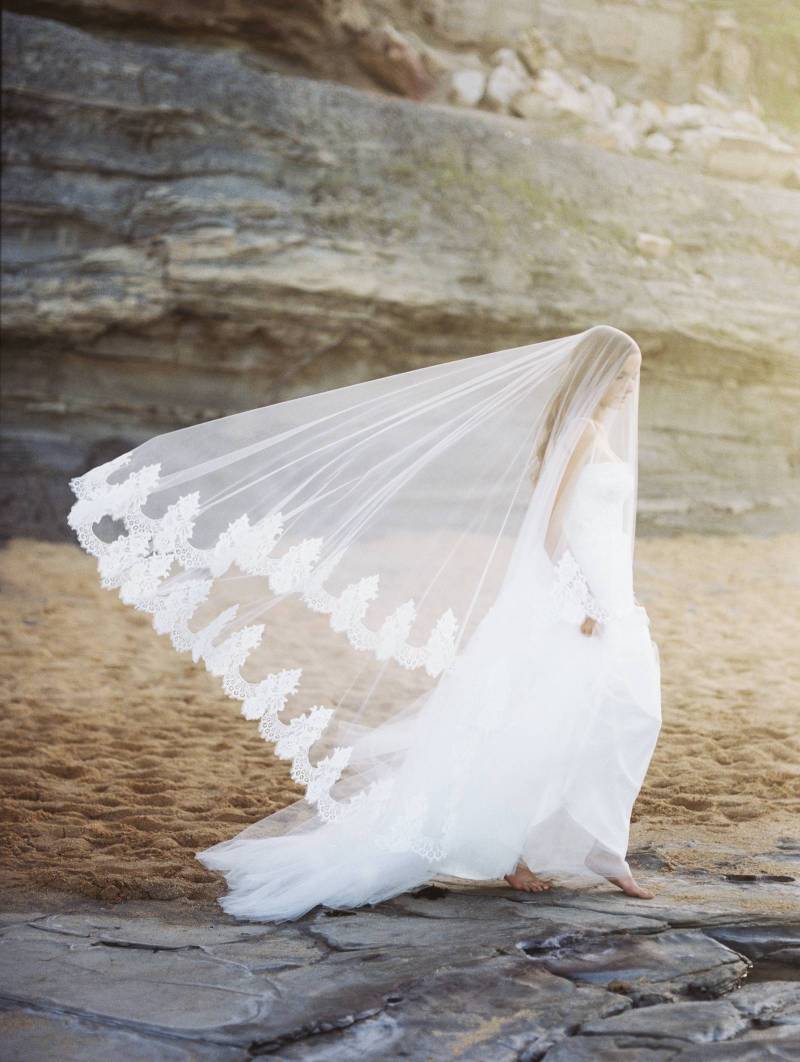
[329,557]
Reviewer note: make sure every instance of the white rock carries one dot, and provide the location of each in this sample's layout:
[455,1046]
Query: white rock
[532,105]
[748,158]
[685,116]
[554,59]
[720,119]
[467,87]
[650,118]
[551,84]
[564,95]
[628,113]
[749,123]
[698,142]
[652,246]
[574,77]
[659,143]
[775,141]
[625,127]
[624,135]
[712,97]
[577,103]
[508,57]
[603,100]
[503,85]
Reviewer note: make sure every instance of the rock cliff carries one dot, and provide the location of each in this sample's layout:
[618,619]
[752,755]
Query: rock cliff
[194,228]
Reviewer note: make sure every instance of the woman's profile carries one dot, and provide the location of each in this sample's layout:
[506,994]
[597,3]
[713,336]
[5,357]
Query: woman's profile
[421,588]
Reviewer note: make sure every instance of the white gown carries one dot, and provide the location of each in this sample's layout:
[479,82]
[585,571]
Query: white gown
[532,746]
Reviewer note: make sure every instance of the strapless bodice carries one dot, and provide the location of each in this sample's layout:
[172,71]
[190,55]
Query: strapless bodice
[600,492]
[596,535]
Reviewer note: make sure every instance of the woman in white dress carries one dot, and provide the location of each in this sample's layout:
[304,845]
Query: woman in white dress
[513,740]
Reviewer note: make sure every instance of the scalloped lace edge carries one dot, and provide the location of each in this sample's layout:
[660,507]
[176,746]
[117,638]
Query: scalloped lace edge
[570,596]
[139,561]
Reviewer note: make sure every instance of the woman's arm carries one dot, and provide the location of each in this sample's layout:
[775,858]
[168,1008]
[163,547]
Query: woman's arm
[591,440]
[581,454]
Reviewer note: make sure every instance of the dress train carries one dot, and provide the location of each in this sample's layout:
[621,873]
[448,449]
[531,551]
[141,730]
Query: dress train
[532,746]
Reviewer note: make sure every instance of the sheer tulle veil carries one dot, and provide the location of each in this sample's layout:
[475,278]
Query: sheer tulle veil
[331,557]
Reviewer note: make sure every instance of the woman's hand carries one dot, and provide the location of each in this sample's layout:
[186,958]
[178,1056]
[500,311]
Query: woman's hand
[589,626]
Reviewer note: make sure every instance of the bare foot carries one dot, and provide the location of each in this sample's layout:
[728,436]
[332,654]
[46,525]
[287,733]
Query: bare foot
[630,887]
[614,869]
[525,880]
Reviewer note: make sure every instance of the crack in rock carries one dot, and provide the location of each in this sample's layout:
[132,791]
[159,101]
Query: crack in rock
[311,1031]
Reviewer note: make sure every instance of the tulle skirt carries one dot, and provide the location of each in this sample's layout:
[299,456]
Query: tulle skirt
[532,746]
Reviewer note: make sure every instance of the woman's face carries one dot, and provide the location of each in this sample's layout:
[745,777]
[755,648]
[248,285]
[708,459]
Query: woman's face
[625,383]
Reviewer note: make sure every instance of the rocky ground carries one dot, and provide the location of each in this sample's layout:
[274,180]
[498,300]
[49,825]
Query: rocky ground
[121,759]
[707,971]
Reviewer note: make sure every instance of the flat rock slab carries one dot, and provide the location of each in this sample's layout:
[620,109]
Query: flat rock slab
[758,1046]
[775,1002]
[651,969]
[36,1037]
[763,1051]
[501,1009]
[145,932]
[458,921]
[269,947]
[610,1049]
[693,901]
[757,941]
[694,1022]
[182,992]
[476,974]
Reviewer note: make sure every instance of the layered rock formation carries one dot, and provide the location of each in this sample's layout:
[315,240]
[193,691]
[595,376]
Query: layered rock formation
[191,232]
[714,136]
[445,972]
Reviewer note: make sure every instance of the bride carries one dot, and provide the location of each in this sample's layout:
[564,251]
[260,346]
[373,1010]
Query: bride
[445,557]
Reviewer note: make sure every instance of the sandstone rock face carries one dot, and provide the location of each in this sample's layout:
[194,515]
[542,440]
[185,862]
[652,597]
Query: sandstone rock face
[663,49]
[189,234]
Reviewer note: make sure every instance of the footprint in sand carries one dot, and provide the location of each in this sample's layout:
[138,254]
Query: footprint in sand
[65,770]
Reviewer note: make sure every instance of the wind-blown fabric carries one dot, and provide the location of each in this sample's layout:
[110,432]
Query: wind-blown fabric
[372,571]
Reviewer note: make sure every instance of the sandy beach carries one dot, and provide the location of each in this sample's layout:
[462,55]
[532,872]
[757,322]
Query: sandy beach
[122,758]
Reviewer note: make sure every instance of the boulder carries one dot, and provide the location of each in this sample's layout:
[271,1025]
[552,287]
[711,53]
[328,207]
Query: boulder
[751,158]
[467,87]
[533,106]
[659,143]
[394,62]
[565,96]
[505,82]
[603,100]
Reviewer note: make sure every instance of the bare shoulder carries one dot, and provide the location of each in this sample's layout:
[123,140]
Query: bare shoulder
[590,431]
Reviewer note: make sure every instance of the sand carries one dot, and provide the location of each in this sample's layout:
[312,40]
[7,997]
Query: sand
[122,758]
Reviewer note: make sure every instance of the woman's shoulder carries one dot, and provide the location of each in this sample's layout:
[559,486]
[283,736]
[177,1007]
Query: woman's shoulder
[589,430]
[593,440]
[589,423]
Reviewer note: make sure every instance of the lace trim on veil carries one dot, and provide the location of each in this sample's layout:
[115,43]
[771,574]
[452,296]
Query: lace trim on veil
[139,561]
[570,595]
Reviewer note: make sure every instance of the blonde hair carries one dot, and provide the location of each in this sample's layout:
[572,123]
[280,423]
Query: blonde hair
[595,362]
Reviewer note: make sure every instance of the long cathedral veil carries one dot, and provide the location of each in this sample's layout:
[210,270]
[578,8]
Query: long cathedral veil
[330,557]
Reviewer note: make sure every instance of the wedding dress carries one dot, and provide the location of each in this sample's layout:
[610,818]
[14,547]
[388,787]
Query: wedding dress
[529,739]
[534,745]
